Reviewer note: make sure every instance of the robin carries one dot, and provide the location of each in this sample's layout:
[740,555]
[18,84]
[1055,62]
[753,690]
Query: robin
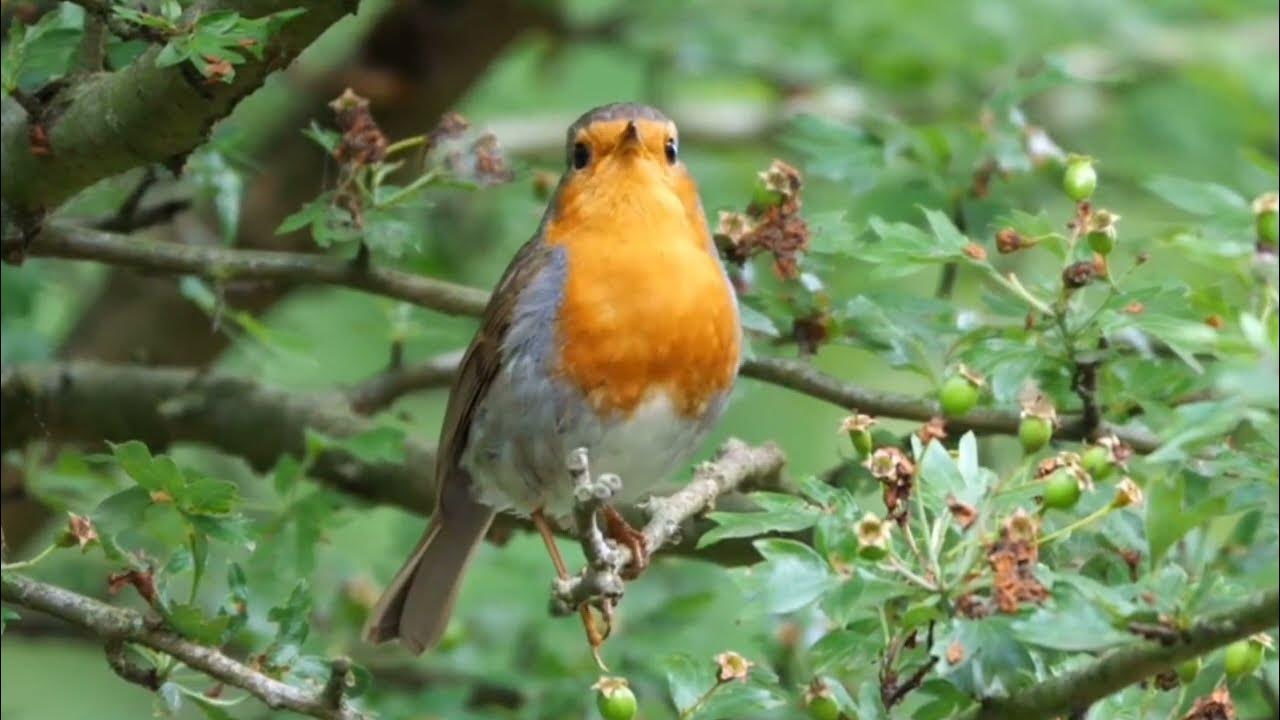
[614,329]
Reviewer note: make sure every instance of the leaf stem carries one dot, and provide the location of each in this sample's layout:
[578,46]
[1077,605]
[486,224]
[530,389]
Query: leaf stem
[24,564]
[1063,531]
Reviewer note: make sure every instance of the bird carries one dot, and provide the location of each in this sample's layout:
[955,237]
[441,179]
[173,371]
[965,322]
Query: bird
[615,328]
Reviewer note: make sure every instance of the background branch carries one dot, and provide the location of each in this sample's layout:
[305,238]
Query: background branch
[120,625]
[1127,665]
[450,298]
[152,114]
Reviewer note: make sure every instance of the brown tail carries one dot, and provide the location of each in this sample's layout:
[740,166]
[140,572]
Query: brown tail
[417,604]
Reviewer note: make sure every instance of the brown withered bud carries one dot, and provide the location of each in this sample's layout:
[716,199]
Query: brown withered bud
[1009,240]
[1079,274]
[362,142]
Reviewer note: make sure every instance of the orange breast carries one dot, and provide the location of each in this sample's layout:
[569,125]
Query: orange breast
[646,307]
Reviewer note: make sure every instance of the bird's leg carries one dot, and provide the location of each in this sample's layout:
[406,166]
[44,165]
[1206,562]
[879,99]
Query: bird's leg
[620,531]
[594,636]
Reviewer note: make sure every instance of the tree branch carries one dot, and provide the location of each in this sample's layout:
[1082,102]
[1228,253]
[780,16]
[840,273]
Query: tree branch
[108,123]
[221,263]
[1127,665]
[119,625]
[735,464]
[450,298]
[379,391]
[805,378]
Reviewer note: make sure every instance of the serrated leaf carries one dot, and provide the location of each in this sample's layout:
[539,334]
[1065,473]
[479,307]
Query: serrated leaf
[1199,198]
[191,622]
[688,679]
[791,577]
[780,513]
[1166,518]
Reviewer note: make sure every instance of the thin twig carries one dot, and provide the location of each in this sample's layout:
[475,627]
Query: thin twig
[122,625]
[380,391]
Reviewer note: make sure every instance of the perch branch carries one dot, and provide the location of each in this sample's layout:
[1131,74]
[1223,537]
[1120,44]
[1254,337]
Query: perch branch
[449,298]
[119,625]
[734,465]
[1127,665]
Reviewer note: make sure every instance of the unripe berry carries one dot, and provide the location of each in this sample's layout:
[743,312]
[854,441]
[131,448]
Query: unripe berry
[1188,670]
[615,699]
[958,396]
[1061,490]
[823,708]
[1097,462]
[1034,433]
[1242,658]
[1080,179]
[1266,217]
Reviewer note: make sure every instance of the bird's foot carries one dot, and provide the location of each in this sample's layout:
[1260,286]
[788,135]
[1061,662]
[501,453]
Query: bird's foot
[620,531]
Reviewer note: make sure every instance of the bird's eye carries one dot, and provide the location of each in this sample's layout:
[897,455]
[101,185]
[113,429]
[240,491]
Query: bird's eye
[581,155]
[671,150]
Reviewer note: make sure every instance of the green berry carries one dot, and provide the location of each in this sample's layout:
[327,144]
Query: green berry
[616,702]
[1268,229]
[823,707]
[861,440]
[1034,433]
[872,552]
[958,396]
[1242,658]
[1188,670]
[1101,241]
[1080,179]
[1097,462]
[1061,490]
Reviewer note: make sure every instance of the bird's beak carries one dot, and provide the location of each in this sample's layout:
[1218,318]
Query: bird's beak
[631,138]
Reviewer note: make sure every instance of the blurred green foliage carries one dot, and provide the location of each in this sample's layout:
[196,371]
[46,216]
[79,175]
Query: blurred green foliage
[1176,100]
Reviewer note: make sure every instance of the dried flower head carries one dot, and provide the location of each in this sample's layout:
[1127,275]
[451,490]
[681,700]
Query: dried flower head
[1127,493]
[609,686]
[873,531]
[732,666]
[857,422]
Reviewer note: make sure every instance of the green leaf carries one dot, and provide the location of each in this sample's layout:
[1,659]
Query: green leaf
[7,615]
[123,509]
[221,183]
[1167,520]
[191,622]
[780,513]
[135,459]
[1198,198]
[293,617]
[688,679]
[206,496]
[792,576]
[1073,625]
[285,474]
[381,444]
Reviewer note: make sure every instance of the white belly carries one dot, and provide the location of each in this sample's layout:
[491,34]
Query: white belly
[519,442]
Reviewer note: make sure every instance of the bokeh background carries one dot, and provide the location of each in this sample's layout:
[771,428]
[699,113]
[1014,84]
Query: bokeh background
[1178,87]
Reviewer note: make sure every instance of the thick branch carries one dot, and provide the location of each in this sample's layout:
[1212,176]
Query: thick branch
[108,123]
[119,624]
[88,402]
[1127,665]
[218,262]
